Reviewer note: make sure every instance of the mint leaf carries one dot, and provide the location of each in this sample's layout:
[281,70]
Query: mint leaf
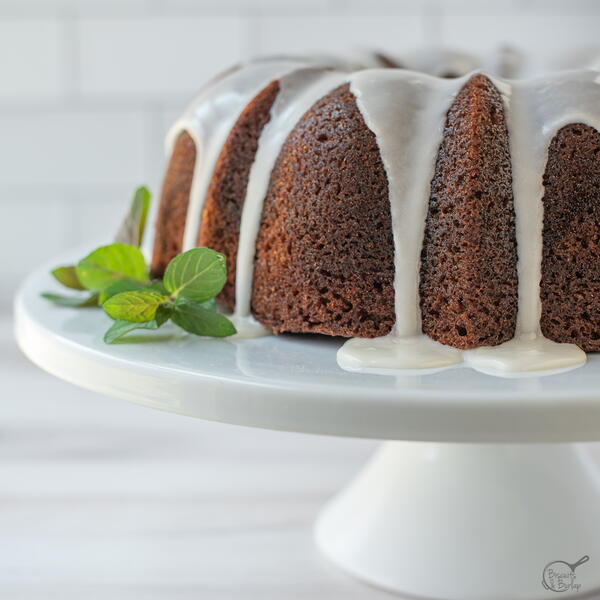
[68,277]
[127,285]
[136,307]
[121,328]
[132,228]
[158,286]
[124,285]
[72,301]
[209,304]
[163,314]
[197,274]
[201,321]
[108,264]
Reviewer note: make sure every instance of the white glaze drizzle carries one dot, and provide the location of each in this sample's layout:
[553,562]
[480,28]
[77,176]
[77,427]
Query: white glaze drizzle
[211,115]
[535,111]
[209,119]
[405,110]
[298,91]
[405,114]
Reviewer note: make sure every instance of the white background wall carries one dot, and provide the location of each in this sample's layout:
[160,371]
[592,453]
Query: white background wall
[88,87]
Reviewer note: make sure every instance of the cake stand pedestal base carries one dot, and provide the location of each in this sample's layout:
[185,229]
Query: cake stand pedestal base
[470,521]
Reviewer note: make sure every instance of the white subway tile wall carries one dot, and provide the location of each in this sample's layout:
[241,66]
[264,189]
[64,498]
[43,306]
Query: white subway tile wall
[297,34]
[71,148]
[88,87]
[27,71]
[133,58]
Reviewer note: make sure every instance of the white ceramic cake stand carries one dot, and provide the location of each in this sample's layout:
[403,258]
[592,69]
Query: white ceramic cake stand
[460,505]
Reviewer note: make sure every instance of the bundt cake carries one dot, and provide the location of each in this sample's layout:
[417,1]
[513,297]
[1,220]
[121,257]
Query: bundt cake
[431,220]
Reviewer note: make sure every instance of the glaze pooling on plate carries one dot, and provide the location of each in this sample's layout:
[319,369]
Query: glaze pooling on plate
[535,110]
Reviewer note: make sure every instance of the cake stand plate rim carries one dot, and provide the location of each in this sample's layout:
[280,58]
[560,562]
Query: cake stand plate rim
[293,383]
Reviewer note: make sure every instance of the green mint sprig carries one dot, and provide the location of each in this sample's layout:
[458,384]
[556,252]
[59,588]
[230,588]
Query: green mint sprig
[68,277]
[103,272]
[191,282]
[109,264]
[117,277]
[72,301]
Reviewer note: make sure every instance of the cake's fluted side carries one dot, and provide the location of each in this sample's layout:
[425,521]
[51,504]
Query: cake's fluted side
[220,223]
[324,254]
[172,212]
[298,93]
[468,286]
[570,287]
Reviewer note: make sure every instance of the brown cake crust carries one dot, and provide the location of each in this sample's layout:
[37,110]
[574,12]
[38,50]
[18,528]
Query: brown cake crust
[469,261]
[570,285]
[220,225]
[172,212]
[324,256]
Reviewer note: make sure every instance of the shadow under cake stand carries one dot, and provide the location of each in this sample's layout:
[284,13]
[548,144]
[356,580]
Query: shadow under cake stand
[482,489]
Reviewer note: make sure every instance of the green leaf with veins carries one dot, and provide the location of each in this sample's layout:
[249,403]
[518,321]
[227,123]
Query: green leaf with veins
[72,301]
[133,226]
[111,263]
[67,276]
[136,307]
[157,286]
[163,314]
[199,320]
[121,328]
[208,304]
[124,285]
[198,274]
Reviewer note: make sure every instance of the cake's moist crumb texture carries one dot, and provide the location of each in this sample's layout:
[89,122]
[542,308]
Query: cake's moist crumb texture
[324,255]
[172,211]
[220,226]
[570,287]
[468,285]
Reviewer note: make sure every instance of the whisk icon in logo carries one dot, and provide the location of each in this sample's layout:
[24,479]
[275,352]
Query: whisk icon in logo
[559,575]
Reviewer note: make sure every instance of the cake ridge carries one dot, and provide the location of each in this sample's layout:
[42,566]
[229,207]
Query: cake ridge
[415,120]
[299,90]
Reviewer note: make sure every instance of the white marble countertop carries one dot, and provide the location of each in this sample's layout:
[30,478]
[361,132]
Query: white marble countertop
[107,500]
